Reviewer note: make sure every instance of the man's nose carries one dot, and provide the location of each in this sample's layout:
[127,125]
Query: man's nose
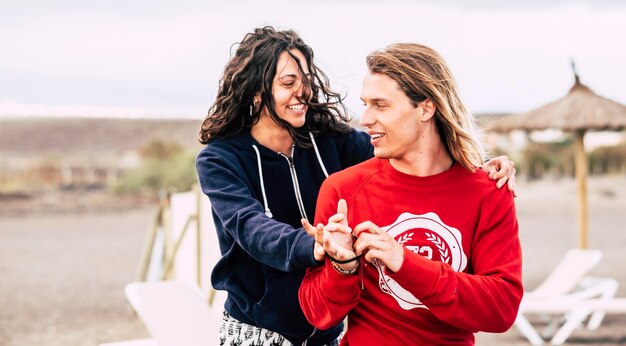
[366,118]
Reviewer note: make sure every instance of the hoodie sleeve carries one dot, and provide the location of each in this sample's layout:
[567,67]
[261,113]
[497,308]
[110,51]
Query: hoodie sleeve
[241,217]
[354,148]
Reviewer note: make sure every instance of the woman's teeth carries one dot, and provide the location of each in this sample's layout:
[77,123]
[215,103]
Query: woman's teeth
[296,108]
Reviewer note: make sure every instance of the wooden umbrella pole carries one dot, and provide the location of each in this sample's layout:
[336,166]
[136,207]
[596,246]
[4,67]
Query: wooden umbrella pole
[581,178]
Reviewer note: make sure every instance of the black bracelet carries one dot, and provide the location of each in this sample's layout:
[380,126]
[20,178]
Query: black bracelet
[332,259]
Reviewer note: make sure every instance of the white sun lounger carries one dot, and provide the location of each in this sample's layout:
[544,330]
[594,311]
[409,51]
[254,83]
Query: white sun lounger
[583,310]
[562,290]
[175,313]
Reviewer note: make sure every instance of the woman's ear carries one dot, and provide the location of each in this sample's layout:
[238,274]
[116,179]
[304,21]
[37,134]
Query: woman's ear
[428,109]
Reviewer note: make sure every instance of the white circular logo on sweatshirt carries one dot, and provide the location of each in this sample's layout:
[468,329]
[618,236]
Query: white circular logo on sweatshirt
[427,236]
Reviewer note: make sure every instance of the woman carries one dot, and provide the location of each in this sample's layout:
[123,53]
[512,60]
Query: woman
[274,133]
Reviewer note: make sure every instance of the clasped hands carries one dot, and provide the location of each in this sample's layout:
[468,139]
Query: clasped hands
[343,243]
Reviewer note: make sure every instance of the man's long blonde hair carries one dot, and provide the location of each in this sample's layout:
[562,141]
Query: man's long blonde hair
[423,74]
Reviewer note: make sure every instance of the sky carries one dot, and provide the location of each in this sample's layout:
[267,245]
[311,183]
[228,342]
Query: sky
[156,58]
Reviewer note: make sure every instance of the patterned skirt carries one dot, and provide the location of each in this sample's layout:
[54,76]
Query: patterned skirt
[237,333]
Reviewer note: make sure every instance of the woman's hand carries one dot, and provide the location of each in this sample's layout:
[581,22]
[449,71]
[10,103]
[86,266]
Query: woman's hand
[335,238]
[318,249]
[502,169]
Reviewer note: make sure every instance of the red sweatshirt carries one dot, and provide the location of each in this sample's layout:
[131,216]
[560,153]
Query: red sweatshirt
[462,266]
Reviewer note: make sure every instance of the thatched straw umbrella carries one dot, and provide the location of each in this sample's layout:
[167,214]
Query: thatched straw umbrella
[581,110]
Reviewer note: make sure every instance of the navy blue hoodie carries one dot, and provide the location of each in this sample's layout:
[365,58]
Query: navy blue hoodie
[264,258]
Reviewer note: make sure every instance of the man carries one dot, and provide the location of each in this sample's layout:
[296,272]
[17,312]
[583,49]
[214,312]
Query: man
[435,255]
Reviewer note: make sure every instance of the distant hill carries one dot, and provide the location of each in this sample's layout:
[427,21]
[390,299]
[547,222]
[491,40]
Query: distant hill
[89,137]
[73,137]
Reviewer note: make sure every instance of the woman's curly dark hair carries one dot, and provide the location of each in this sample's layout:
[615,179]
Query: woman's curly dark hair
[251,71]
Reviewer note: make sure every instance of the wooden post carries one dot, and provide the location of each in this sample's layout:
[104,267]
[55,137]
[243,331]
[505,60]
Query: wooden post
[168,238]
[146,254]
[581,179]
[169,262]
[198,193]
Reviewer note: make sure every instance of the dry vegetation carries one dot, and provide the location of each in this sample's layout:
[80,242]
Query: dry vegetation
[36,137]
[30,145]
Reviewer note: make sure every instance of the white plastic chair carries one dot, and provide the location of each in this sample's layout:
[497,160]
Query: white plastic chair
[583,310]
[176,313]
[567,274]
[560,292]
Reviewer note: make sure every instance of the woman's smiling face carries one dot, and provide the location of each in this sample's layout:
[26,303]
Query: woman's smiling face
[288,86]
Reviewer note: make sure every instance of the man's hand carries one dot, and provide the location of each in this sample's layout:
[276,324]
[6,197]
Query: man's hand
[374,242]
[502,169]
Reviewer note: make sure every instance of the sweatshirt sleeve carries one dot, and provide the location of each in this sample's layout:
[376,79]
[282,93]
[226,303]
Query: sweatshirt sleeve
[326,296]
[242,217]
[488,298]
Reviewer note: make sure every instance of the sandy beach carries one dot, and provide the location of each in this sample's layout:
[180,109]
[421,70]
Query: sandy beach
[64,272]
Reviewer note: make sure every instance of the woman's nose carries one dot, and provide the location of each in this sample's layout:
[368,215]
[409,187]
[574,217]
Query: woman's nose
[303,91]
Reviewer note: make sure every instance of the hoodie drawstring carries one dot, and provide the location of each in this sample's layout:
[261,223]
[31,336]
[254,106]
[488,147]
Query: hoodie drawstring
[258,158]
[317,153]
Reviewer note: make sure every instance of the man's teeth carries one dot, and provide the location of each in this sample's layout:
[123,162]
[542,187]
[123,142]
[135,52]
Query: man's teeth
[376,136]
[296,107]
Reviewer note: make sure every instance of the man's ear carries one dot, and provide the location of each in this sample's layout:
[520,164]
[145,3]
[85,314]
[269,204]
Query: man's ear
[428,109]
